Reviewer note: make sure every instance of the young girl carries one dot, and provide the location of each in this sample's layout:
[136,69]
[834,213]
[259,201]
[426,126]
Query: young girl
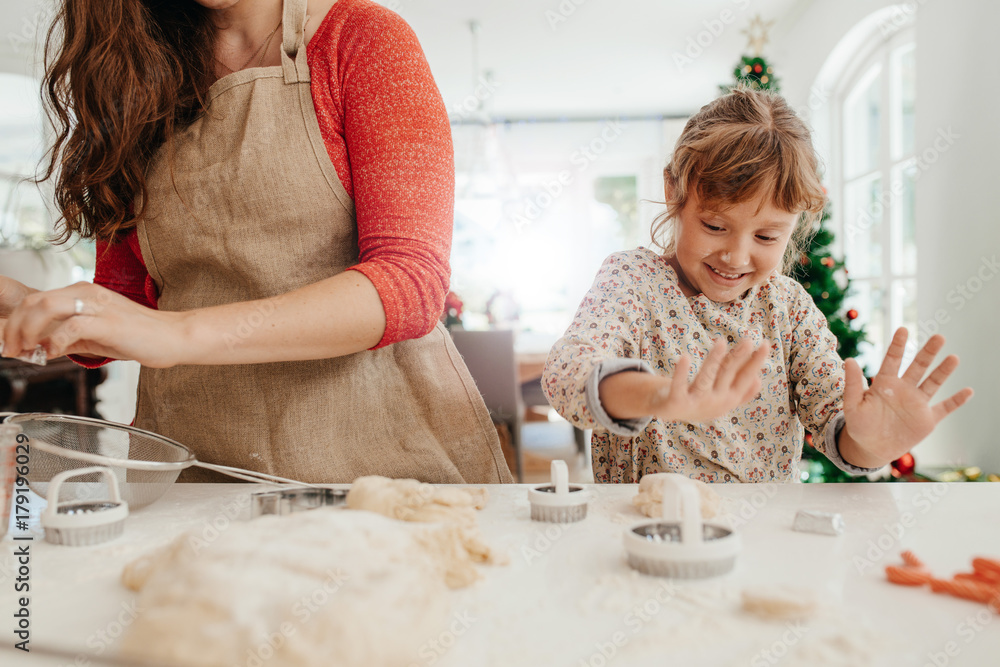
[660,358]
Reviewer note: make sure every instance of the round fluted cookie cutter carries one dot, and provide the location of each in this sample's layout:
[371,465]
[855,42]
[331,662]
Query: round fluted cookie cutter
[84,522]
[681,545]
[558,502]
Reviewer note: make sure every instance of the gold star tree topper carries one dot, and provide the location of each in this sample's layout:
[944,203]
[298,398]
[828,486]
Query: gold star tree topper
[756,34]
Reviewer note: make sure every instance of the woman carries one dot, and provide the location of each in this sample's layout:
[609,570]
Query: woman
[271,186]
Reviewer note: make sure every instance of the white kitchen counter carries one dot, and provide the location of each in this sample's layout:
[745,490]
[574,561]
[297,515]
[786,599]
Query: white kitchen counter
[567,597]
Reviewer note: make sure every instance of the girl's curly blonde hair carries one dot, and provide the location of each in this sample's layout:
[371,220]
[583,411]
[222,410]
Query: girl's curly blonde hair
[739,147]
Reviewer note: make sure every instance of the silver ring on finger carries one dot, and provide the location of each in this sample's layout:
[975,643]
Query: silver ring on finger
[78,306]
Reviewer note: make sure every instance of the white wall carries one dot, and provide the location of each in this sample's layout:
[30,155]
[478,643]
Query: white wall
[958,234]
[957,231]
[24,23]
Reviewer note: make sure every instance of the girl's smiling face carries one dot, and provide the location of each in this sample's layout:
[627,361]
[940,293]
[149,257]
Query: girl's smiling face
[722,254]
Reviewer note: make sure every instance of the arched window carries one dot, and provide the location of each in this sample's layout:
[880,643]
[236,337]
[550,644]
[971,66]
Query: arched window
[873,177]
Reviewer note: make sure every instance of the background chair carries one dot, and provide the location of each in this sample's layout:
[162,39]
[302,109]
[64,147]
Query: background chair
[490,358]
[533,395]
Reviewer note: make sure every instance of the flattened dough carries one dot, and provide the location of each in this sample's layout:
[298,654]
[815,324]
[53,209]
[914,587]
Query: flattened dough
[649,500]
[329,587]
[410,500]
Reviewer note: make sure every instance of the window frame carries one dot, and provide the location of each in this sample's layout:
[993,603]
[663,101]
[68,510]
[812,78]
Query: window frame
[879,52]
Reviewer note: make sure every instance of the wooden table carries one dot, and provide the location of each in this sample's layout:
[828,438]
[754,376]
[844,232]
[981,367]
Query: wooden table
[530,365]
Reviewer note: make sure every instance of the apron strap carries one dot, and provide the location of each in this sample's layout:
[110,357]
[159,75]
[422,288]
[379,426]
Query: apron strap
[293,52]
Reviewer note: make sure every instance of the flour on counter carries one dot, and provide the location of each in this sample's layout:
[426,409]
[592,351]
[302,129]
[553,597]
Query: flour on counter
[713,622]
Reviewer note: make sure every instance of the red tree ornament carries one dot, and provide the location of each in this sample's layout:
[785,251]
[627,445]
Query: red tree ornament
[904,465]
[452,315]
[852,314]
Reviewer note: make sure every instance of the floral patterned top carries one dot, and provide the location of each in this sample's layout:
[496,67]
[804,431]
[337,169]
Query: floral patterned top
[635,316]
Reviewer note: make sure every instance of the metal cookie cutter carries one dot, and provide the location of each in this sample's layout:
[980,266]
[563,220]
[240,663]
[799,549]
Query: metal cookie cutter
[558,502]
[681,546]
[81,523]
[289,501]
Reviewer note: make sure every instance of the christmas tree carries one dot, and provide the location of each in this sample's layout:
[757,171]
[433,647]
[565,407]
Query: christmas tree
[818,272]
[753,71]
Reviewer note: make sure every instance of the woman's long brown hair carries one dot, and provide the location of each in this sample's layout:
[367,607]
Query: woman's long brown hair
[121,76]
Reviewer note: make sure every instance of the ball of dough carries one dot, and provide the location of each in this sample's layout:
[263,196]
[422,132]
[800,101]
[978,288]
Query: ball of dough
[649,499]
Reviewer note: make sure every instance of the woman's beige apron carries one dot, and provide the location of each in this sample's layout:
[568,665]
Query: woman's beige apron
[251,209]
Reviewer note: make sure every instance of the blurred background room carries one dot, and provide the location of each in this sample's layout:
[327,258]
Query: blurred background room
[564,113]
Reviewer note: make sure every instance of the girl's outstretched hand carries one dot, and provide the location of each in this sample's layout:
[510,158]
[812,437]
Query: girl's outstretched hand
[885,421]
[725,381]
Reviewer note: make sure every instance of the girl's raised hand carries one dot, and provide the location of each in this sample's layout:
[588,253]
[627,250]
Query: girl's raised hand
[725,381]
[885,421]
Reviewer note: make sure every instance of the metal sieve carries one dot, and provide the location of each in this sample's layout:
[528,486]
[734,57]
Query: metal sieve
[144,464]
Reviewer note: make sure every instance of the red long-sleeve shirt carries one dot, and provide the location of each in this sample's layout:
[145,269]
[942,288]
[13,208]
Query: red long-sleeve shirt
[387,133]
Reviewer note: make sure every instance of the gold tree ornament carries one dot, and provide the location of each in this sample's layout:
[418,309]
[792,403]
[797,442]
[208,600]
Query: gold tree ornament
[756,34]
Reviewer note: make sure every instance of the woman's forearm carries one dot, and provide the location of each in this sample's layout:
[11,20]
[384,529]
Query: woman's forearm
[334,317]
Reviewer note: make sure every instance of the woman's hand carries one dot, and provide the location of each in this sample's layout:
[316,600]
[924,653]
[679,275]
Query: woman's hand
[336,316]
[91,320]
[725,381]
[12,293]
[885,421]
